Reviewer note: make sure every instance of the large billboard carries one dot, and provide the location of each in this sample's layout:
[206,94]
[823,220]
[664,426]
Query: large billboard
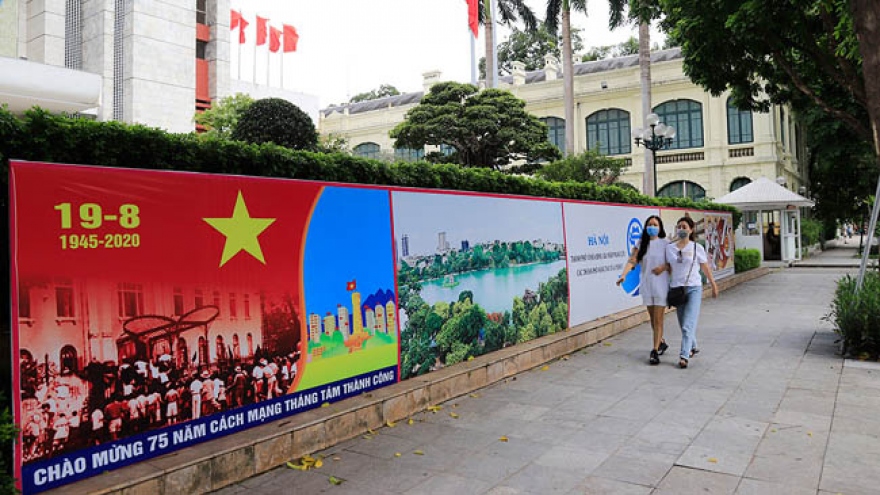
[153,310]
[158,309]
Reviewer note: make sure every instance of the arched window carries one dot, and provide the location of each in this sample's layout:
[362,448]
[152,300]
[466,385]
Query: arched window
[555,131]
[739,182]
[409,154]
[236,347]
[250,344]
[221,349]
[687,118]
[203,351]
[609,130]
[739,124]
[367,150]
[69,361]
[683,189]
[182,354]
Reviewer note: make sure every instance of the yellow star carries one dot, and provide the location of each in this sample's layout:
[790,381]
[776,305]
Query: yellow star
[241,231]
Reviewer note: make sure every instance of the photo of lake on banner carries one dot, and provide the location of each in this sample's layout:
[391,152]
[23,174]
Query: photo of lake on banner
[476,274]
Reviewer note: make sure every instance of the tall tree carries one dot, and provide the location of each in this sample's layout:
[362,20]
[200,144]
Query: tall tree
[487,128]
[767,52]
[559,12]
[530,48]
[509,11]
[642,12]
[220,120]
[374,94]
[866,15]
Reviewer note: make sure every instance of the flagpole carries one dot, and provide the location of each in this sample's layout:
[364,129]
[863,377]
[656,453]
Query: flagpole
[240,29]
[257,19]
[473,57]
[282,69]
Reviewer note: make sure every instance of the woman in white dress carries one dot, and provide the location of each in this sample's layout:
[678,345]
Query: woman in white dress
[650,257]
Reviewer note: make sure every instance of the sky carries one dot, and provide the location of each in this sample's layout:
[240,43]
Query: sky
[348,47]
[421,216]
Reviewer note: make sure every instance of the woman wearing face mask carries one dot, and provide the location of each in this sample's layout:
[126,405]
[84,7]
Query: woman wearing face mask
[650,256]
[681,256]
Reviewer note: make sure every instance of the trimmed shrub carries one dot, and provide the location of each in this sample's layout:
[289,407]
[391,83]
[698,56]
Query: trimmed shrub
[8,434]
[811,231]
[746,259]
[273,120]
[856,316]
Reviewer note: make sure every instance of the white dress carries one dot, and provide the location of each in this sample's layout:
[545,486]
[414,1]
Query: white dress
[654,287]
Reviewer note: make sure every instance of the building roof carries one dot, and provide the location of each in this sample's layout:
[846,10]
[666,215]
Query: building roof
[532,77]
[763,194]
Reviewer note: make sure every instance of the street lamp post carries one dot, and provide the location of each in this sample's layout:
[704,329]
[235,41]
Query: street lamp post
[659,136]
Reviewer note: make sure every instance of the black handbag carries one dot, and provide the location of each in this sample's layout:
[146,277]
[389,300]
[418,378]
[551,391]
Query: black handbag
[676,296]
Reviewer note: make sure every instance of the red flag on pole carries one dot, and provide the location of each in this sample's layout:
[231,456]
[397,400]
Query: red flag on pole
[291,38]
[242,25]
[234,18]
[274,39]
[262,32]
[474,15]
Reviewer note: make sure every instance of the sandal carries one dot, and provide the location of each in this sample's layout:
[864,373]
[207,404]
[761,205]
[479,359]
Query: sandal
[662,348]
[694,351]
[655,359]
[682,363]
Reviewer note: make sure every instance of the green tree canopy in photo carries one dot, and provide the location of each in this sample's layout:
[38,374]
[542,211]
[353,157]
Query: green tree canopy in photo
[488,128]
[275,120]
[589,166]
[530,48]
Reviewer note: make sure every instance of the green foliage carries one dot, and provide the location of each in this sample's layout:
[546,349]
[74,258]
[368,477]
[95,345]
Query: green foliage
[746,259]
[622,49]
[222,117]
[8,435]
[332,143]
[856,316]
[589,166]
[273,120]
[773,52]
[374,94]
[41,136]
[488,128]
[811,231]
[530,48]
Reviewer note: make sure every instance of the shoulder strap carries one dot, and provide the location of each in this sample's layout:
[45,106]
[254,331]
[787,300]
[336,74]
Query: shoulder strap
[692,263]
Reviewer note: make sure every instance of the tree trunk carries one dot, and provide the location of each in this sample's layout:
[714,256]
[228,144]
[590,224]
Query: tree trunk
[568,81]
[488,32]
[649,184]
[866,20]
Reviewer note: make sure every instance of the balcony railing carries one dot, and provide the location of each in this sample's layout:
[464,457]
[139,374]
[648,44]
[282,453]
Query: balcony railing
[681,157]
[740,152]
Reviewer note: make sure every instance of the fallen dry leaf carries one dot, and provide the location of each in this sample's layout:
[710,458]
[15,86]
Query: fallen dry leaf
[410,421]
[712,460]
[397,454]
[418,452]
[335,481]
[503,439]
[453,415]
[434,409]
[390,424]
[319,463]
[475,396]
[545,368]
[295,466]
[326,404]
[606,344]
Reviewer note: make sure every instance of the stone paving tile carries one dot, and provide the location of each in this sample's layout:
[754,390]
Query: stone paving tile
[604,486]
[639,471]
[682,480]
[538,479]
[448,484]
[715,459]
[759,487]
[579,460]
[792,468]
[732,434]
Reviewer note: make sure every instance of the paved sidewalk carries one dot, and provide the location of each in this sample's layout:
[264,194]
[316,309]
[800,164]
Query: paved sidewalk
[839,253]
[767,407]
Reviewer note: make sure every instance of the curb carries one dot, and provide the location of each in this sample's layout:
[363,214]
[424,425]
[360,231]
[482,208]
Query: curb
[218,463]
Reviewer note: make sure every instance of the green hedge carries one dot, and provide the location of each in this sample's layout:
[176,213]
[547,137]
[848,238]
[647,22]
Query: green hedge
[856,316]
[746,259]
[811,232]
[39,136]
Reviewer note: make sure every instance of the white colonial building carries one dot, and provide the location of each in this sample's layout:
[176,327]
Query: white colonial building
[136,61]
[718,148]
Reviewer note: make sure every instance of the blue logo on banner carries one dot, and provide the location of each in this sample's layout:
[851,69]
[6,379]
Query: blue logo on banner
[630,285]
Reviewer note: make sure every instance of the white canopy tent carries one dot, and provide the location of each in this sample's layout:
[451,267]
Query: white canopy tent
[765,195]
